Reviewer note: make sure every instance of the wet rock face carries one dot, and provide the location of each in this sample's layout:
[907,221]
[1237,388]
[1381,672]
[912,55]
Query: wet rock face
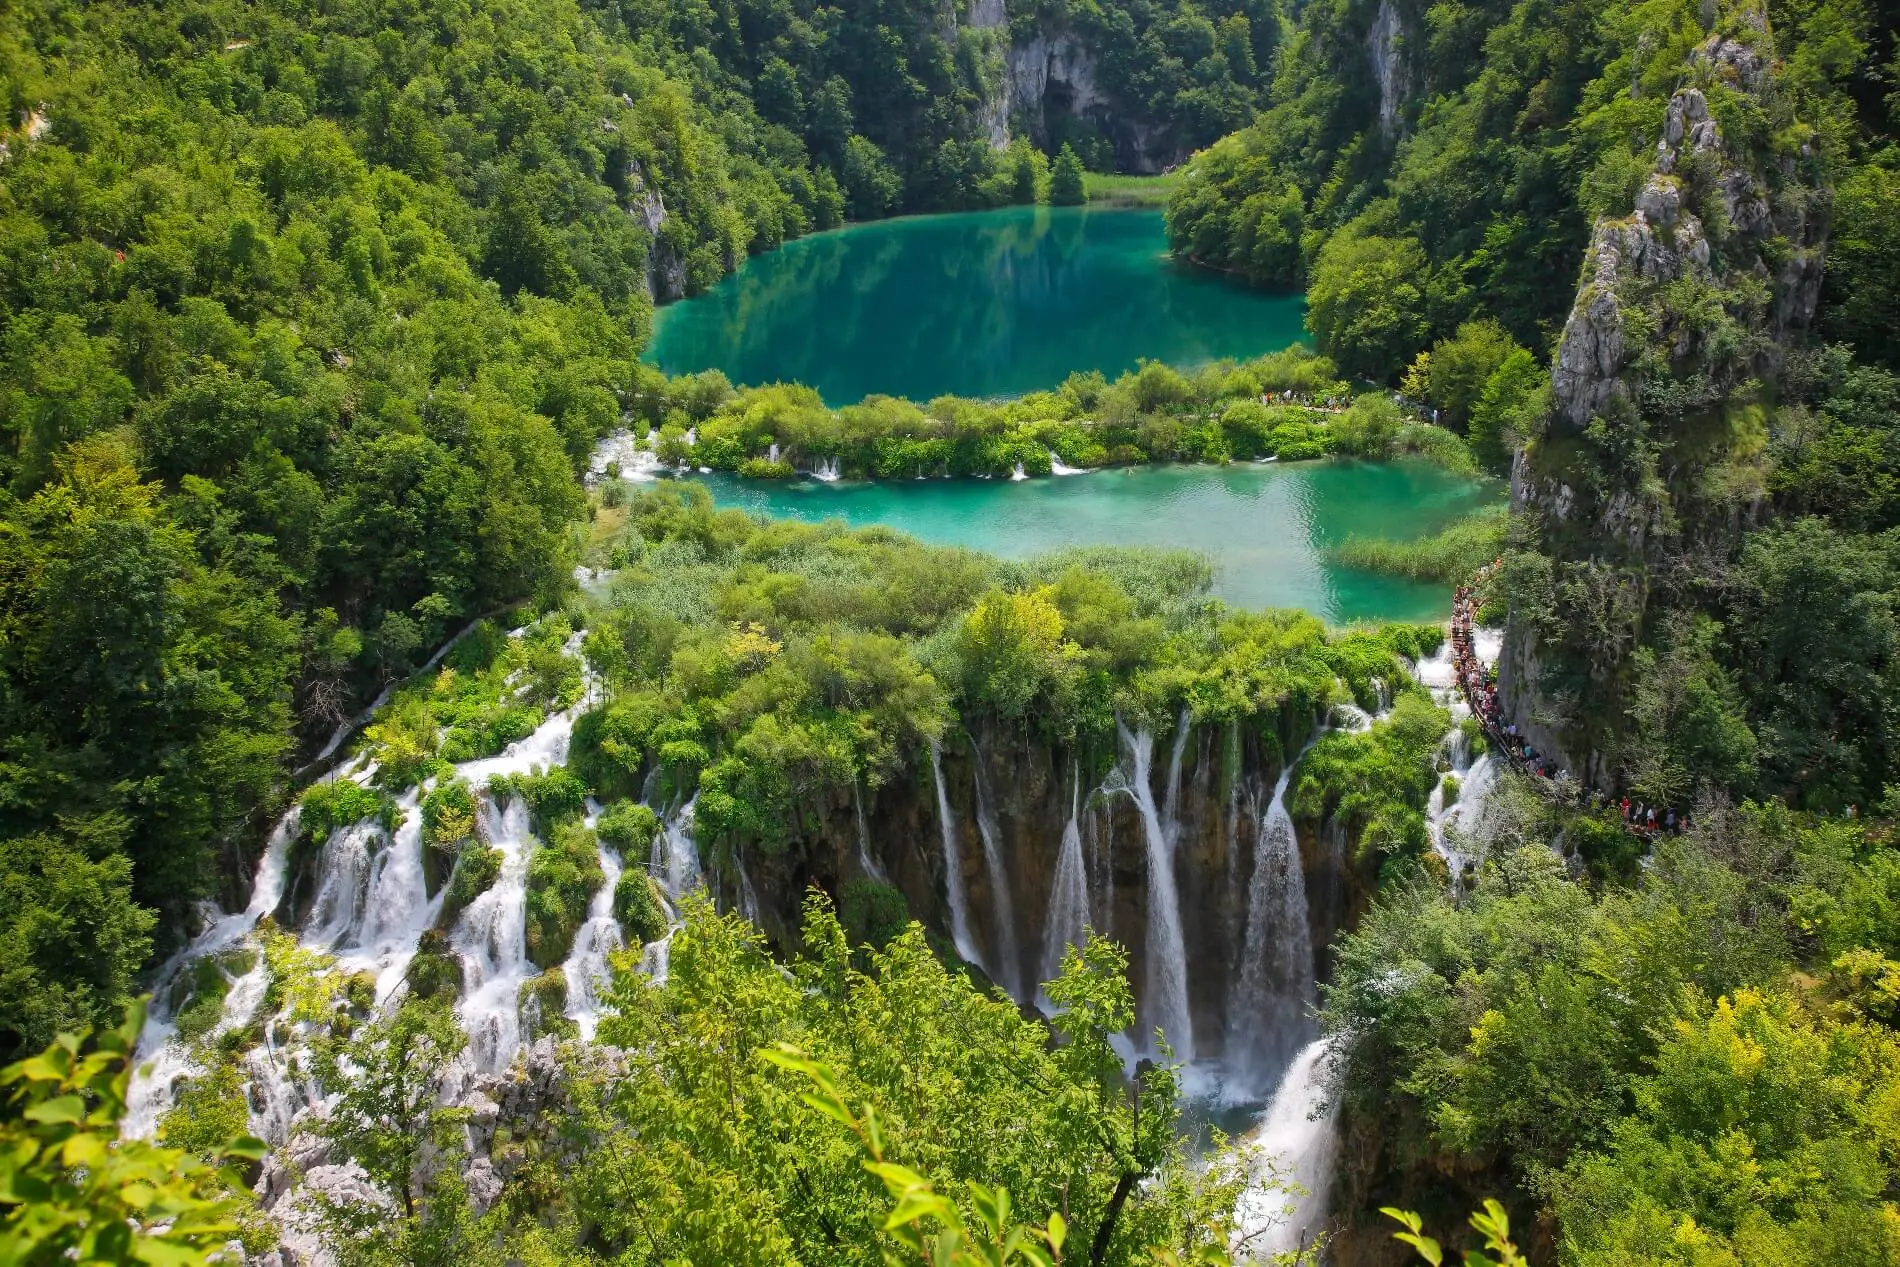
[1211,804]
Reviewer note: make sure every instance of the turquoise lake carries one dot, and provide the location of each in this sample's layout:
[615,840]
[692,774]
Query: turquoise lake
[1266,527]
[1004,302]
[992,303]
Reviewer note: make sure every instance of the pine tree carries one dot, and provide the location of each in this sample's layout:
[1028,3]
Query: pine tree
[1065,182]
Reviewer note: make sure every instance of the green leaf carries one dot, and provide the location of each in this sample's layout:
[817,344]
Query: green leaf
[66,1109]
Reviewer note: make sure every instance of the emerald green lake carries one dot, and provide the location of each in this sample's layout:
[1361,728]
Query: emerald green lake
[989,303]
[1266,527]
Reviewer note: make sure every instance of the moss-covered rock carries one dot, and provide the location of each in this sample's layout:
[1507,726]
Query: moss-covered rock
[563,876]
[436,970]
[629,827]
[638,907]
[543,1000]
[475,870]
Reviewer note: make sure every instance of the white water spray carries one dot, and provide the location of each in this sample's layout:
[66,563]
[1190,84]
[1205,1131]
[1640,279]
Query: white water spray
[1069,897]
[1274,992]
[952,869]
[1007,971]
[1299,1133]
[1166,978]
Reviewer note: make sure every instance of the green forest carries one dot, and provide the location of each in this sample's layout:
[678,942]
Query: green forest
[314,316]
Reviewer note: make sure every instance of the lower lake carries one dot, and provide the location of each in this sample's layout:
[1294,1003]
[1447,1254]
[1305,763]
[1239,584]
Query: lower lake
[990,303]
[1266,527]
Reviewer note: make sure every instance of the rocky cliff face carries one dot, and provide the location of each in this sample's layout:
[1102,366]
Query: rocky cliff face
[1648,467]
[1210,795]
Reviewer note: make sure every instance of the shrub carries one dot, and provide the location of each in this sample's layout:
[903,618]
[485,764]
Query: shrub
[629,827]
[562,877]
[474,874]
[872,913]
[448,822]
[638,908]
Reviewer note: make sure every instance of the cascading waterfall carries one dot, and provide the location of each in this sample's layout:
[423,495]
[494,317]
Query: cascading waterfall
[952,869]
[398,909]
[161,1062]
[586,969]
[1299,1134]
[1069,896]
[492,939]
[1007,971]
[748,896]
[1269,1004]
[1166,992]
[343,866]
[676,854]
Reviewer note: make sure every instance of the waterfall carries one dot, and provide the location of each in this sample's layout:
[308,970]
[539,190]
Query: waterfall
[866,862]
[1473,788]
[1018,473]
[675,858]
[159,1062]
[748,896]
[771,453]
[1166,982]
[952,869]
[492,939]
[1269,1003]
[1299,1133]
[1069,897]
[586,969]
[1058,467]
[1009,965]
[826,470]
[343,867]
[398,908]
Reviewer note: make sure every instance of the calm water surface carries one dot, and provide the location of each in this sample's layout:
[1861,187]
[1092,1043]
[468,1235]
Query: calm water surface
[1266,527]
[975,304]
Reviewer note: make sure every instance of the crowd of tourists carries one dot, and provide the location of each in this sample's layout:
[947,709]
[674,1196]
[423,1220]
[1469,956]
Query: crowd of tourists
[1478,683]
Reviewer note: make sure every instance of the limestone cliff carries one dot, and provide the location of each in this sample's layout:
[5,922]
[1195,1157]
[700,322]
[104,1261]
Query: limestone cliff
[1649,464]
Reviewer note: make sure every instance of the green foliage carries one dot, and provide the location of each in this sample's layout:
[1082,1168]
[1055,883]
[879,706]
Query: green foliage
[1762,1134]
[694,1138]
[1066,180]
[473,875]
[449,824]
[331,804]
[73,940]
[638,907]
[563,874]
[872,913]
[70,1189]
[1377,781]
[1151,414]
[386,1114]
[1452,554]
[629,827]
[1365,303]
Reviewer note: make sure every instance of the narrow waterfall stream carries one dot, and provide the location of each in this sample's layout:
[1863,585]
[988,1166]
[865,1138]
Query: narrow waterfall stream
[1068,896]
[952,868]
[1166,982]
[586,969]
[1008,969]
[1274,993]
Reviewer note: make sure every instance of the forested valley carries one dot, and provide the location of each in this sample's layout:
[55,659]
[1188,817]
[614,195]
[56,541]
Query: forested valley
[423,841]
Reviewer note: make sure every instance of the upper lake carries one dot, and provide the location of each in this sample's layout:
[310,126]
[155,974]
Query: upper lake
[991,303]
[1266,527]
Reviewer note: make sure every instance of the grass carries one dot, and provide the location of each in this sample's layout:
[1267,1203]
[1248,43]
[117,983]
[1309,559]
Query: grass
[1132,191]
[1451,555]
